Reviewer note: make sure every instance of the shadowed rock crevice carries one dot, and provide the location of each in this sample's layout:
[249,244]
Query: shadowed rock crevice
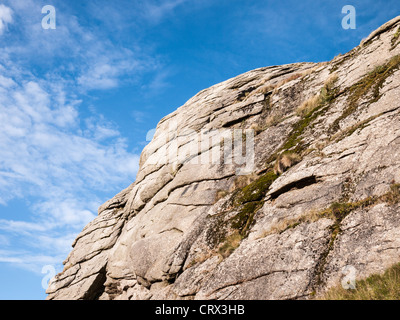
[97,287]
[300,184]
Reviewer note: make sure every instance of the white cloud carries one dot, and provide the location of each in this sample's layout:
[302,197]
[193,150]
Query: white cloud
[157,10]
[100,76]
[5,17]
[139,116]
[42,144]
[148,11]
[4,241]
[27,261]
[89,57]
[53,158]
[56,159]
[21,227]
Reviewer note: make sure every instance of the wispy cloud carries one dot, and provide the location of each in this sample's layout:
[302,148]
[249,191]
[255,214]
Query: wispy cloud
[27,260]
[4,242]
[155,11]
[5,17]
[139,116]
[90,57]
[52,156]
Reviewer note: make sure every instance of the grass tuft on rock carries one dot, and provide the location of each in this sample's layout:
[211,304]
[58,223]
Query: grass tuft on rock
[231,243]
[337,211]
[286,161]
[309,111]
[371,83]
[395,38]
[384,286]
[393,196]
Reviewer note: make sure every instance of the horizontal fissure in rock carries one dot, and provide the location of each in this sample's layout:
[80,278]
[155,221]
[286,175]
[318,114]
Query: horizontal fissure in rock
[299,184]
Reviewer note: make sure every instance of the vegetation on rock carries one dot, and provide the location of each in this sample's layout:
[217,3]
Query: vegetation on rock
[384,286]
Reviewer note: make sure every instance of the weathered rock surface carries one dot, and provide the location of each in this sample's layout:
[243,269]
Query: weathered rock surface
[194,226]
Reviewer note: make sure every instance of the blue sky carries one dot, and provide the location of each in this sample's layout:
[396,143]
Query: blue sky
[77,102]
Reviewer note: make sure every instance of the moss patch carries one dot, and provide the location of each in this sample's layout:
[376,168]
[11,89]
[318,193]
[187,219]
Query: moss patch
[227,233]
[243,220]
[249,200]
[294,142]
[217,231]
[373,83]
[256,190]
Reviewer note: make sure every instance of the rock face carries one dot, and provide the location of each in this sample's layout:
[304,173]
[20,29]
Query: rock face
[309,187]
